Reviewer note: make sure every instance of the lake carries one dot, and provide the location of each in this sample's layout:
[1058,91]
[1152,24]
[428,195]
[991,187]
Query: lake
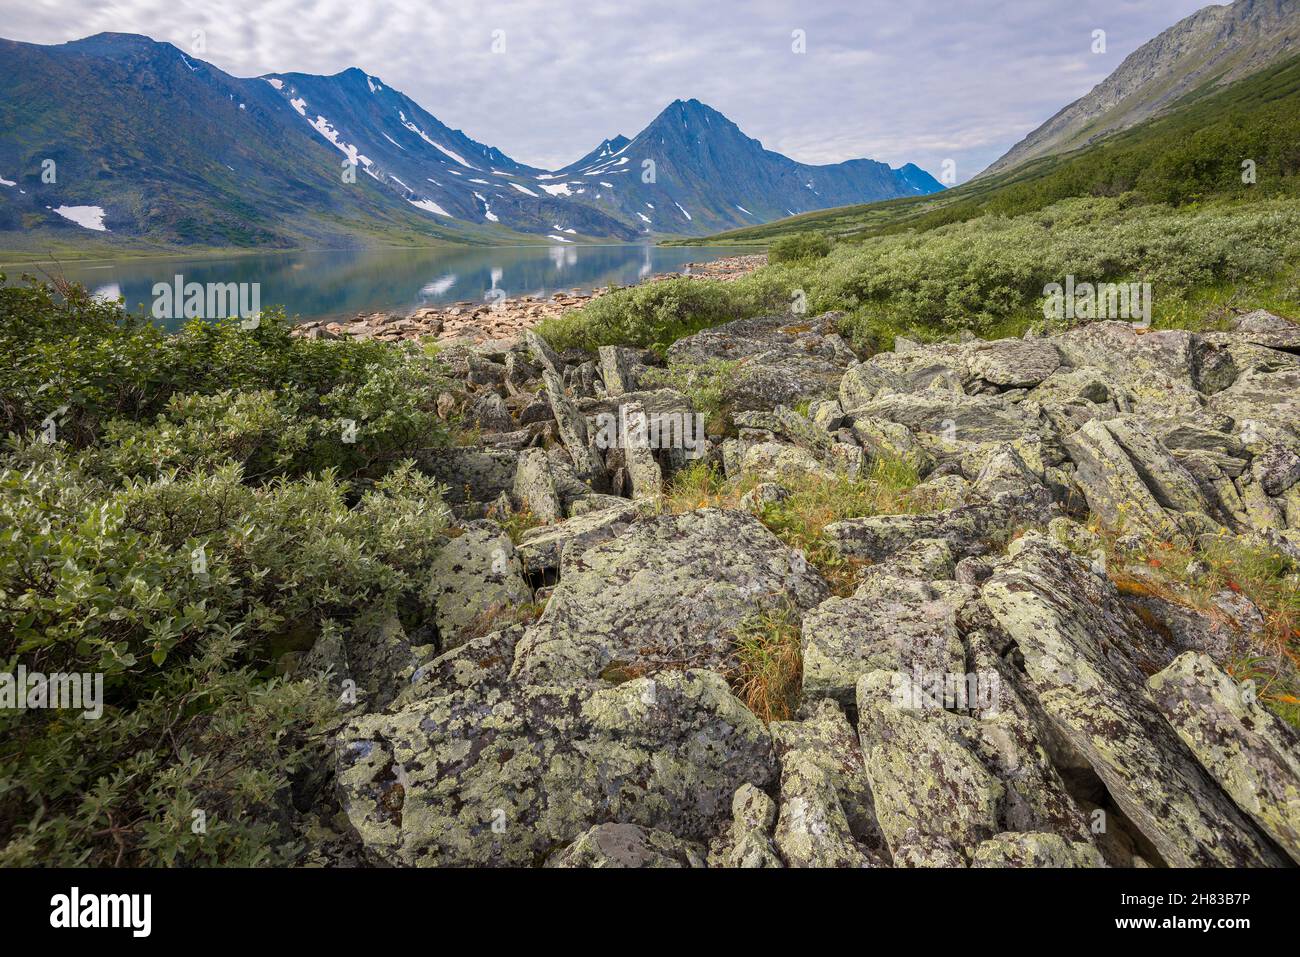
[322,284]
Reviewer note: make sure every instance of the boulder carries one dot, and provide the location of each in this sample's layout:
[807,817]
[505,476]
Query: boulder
[471,475]
[1084,654]
[542,549]
[534,487]
[924,783]
[889,624]
[748,844]
[667,592]
[1035,850]
[1014,363]
[812,830]
[616,369]
[824,737]
[1253,755]
[475,576]
[455,781]
[542,353]
[1276,469]
[490,414]
[628,845]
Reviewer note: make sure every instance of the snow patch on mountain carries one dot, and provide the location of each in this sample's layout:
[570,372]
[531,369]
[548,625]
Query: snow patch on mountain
[438,146]
[88,217]
[430,206]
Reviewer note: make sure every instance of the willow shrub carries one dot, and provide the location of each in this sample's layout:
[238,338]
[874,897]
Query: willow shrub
[199,505]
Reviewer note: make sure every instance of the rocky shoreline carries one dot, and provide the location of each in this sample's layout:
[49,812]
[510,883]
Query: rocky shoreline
[1012,680]
[500,319]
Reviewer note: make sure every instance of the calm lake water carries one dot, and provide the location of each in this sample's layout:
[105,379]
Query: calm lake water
[341,283]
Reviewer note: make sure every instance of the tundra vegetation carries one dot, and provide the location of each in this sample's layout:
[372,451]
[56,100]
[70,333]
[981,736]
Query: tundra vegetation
[179,511]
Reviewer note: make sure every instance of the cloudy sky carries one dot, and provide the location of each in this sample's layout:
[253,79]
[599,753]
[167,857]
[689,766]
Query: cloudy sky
[546,80]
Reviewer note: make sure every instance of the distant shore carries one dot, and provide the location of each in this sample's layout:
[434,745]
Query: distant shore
[502,319]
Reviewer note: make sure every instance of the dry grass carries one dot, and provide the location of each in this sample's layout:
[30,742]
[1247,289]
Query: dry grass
[770,674]
[1263,575]
[800,520]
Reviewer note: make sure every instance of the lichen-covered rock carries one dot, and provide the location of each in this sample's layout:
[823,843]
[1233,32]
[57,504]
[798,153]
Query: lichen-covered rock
[776,378]
[471,475]
[864,382]
[542,353]
[1264,407]
[889,624]
[490,414]
[748,843]
[668,591]
[889,441]
[1276,469]
[617,369]
[969,530]
[812,829]
[643,470]
[1253,755]
[826,414]
[475,575]
[594,502]
[1014,363]
[477,668]
[953,424]
[1116,489]
[772,461]
[924,783]
[587,463]
[748,338]
[926,559]
[927,850]
[628,845]
[764,493]
[779,360]
[381,659]
[1035,850]
[1004,478]
[1084,653]
[542,548]
[534,487]
[825,737]
[1158,369]
[455,781]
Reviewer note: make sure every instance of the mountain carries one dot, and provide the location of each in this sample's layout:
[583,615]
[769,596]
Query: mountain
[398,144]
[153,146]
[173,149]
[692,171]
[1212,47]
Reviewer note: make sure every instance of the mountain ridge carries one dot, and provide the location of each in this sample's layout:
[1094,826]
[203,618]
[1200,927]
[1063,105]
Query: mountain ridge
[1212,47]
[263,161]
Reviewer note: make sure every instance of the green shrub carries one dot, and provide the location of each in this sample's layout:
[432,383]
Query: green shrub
[199,511]
[656,314]
[986,275]
[799,247]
